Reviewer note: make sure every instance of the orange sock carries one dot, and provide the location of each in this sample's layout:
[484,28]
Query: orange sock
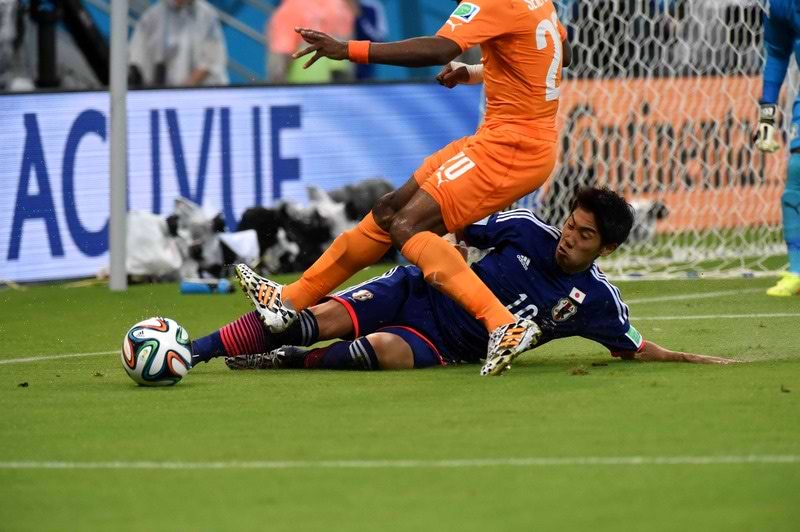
[445,269]
[352,251]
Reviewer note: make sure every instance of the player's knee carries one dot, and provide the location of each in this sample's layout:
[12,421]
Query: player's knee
[401,230]
[384,211]
[391,351]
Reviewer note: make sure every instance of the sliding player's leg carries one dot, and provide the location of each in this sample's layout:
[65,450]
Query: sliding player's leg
[350,252]
[247,338]
[388,323]
[367,353]
[356,311]
[390,348]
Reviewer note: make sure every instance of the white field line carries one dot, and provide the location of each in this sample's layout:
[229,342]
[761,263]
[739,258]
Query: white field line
[419,464]
[54,357]
[718,316]
[689,297]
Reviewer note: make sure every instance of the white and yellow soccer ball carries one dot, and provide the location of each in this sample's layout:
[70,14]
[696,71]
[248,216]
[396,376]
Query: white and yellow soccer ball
[156,352]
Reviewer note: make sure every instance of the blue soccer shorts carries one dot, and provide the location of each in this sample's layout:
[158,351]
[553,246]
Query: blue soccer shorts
[398,302]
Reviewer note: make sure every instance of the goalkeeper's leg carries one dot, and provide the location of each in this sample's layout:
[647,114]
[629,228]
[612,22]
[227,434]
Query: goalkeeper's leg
[790,202]
[789,284]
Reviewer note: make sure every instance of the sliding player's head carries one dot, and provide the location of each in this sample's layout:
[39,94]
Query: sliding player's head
[599,222]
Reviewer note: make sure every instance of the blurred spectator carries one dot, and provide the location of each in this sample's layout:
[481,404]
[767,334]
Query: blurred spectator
[178,43]
[371,25]
[8,34]
[13,71]
[334,17]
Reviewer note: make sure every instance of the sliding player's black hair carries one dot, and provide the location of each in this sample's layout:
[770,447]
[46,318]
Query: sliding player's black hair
[612,214]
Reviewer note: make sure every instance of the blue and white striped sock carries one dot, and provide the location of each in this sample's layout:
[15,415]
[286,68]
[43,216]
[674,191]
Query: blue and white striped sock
[356,355]
[303,332]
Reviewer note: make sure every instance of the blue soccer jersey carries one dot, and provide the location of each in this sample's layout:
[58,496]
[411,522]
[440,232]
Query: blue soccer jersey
[781,38]
[522,272]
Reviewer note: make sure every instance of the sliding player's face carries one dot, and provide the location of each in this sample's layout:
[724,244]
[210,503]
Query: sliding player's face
[580,242]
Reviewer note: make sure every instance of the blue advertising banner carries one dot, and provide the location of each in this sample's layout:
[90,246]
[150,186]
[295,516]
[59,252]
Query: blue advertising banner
[226,149]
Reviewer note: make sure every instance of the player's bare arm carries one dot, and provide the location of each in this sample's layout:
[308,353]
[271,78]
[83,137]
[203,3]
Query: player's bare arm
[566,49]
[416,52]
[652,352]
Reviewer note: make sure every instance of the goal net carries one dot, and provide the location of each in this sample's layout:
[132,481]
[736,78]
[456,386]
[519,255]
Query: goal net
[661,105]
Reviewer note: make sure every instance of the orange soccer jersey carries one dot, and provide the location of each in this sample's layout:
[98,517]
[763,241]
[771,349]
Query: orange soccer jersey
[520,42]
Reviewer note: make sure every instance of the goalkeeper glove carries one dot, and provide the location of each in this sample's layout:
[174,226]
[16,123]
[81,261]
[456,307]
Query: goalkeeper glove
[765,140]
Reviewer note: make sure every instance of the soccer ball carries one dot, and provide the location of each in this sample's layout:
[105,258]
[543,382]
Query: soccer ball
[156,352]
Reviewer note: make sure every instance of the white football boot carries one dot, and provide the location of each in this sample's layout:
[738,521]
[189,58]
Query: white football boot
[265,295]
[507,342]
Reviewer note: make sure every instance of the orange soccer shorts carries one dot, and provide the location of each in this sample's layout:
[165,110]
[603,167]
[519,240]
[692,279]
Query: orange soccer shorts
[475,176]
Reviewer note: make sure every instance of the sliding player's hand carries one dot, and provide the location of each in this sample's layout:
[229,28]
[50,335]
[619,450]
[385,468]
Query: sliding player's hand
[706,359]
[452,74]
[321,45]
[765,139]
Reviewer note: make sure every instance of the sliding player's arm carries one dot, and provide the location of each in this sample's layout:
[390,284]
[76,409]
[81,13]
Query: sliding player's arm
[779,42]
[630,345]
[652,352]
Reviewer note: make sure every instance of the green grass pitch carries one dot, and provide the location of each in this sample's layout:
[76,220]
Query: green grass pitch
[398,450]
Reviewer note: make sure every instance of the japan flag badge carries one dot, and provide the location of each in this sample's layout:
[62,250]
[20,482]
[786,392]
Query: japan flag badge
[576,295]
